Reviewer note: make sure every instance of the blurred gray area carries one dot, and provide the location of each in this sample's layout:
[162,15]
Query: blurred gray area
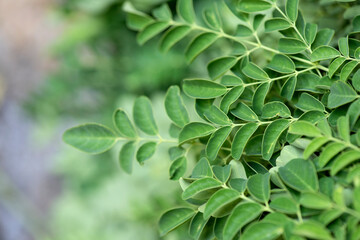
[26,186]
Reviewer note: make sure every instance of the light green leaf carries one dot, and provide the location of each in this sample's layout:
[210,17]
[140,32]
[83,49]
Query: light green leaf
[162,13]
[258,20]
[176,152]
[271,135]
[202,169]
[347,70]
[323,37]
[219,200]
[222,172]
[276,24]
[310,32]
[143,116]
[172,36]
[262,231]
[282,64]
[340,94]
[197,225]
[291,8]
[315,200]
[199,44]
[203,89]
[343,128]
[324,53]
[356,80]
[312,229]
[220,66]
[229,80]
[300,175]
[250,6]
[328,216]
[308,103]
[354,112]
[145,152]
[243,112]
[219,227]
[215,142]
[314,146]
[335,65]
[284,204]
[241,138]
[123,124]
[343,160]
[291,45]
[199,186]
[126,156]
[255,72]
[91,138]
[178,168]
[135,19]
[174,218]
[175,107]
[259,97]
[231,97]
[174,131]
[274,109]
[215,115]
[242,214]
[304,128]
[151,31]
[258,186]
[329,152]
[185,10]
[195,130]
[288,89]
[243,31]
[238,184]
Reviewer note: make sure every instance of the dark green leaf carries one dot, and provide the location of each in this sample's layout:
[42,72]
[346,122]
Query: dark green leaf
[222,172]
[197,225]
[308,103]
[356,80]
[220,66]
[259,97]
[329,152]
[174,218]
[231,97]
[215,115]
[255,72]
[323,37]
[304,128]
[238,184]
[347,70]
[284,204]
[312,229]
[291,45]
[220,199]
[344,46]
[274,109]
[314,146]
[243,112]
[241,137]
[354,112]
[215,142]
[172,36]
[282,64]
[203,89]
[199,44]
[335,65]
[229,80]
[310,32]
[178,168]
[243,31]
[162,13]
[340,94]
[271,136]
[324,53]
[288,89]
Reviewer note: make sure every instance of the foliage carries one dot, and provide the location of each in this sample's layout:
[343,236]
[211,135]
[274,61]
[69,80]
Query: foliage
[278,143]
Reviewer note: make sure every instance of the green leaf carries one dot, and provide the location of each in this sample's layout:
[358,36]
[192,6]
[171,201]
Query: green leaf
[315,200]
[202,169]
[219,227]
[241,138]
[151,31]
[304,128]
[258,186]
[243,31]
[356,24]
[197,225]
[343,160]
[291,8]
[323,37]
[172,36]
[250,6]
[229,80]
[356,80]
[123,124]
[199,44]
[162,13]
[347,70]
[276,24]
[340,94]
[215,115]
[291,45]
[312,229]
[222,172]
[202,105]
[143,116]
[282,64]
[300,175]
[176,152]
[274,109]
[324,53]
[258,20]
[259,97]
[145,152]
[308,103]
[178,168]
[175,107]
[284,204]
[329,152]
[219,200]
[310,32]
[91,138]
[262,231]
[314,146]
[199,186]
[220,66]
[354,112]
[203,89]
[255,72]
[243,112]
[185,10]
[215,142]
[174,130]
[238,184]
[288,89]
[271,135]
[195,130]
[242,214]
[335,65]
[344,46]
[343,128]
[231,97]
[174,218]
[135,19]
[126,156]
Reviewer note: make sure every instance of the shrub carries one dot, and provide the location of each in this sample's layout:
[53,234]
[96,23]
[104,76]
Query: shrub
[277,146]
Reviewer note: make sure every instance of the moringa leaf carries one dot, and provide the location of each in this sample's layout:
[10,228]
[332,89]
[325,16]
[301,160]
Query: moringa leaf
[329,152]
[175,107]
[258,186]
[185,10]
[222,172]
[126,156]
[178,168]
[291,46]
[203,89]
[200,185]
[291,8]
[310,32]
[195,130]
[145,152]
[151,31]
[324,53]
[271,136]
[309,103]
[202,169]
[282,64]
[243,112]
[241,138]
[174,218]
[143,116]
[231,97]
[199,44]
[276,24]
[275,109]
[220,66]
[123,124]
[255,72]
[215,115]
[172,36]
[250,6]
[304,128]
[259,97]
[215,142]
[312,229]
[315,200]
[243,31]
[347,70]
[340,94]
[220,199]
[263,231]
[288,89]
[335,65]
[197,225]
[284,204]
[343,160]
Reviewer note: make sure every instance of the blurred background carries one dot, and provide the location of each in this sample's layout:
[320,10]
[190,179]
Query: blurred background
[67,62]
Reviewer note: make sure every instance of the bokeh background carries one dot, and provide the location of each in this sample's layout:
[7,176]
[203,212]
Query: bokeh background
[67,62]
